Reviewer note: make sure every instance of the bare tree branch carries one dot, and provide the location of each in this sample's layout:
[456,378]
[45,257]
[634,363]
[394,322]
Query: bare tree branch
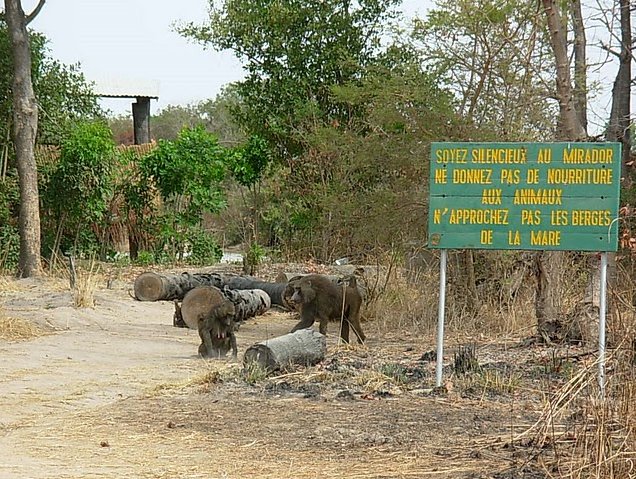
[35,11]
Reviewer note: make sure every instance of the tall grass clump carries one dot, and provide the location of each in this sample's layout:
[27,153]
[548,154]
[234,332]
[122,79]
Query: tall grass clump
[398,303]
[85,283]
[593,432]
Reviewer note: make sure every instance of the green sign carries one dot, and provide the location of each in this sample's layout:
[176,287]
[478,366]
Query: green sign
[527,196]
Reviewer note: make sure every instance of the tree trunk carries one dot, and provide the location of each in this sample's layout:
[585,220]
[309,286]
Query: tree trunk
[545,299]
[619,123]
[580,64]
[25,125]
[200,301]
[275,290]
[305,346]
[549,264]
[151,286]
[572,130]
[470,280]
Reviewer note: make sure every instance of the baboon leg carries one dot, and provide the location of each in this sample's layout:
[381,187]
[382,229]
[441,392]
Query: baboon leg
[306,321]
[354,319]
[206,338]
[344,330]
[357,329]
[323,325]
[233,344]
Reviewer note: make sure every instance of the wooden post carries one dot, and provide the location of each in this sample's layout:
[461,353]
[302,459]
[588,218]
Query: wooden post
[141,120]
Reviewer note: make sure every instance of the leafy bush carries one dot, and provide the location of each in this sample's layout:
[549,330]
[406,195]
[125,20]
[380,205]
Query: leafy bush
[9,247]
[205,249]
[187,174]
[189,171]
[145,258]
[80,188]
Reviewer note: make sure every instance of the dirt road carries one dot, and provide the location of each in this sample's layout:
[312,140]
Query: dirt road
[116,391]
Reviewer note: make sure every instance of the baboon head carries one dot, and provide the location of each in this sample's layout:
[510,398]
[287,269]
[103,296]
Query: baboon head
[302,292]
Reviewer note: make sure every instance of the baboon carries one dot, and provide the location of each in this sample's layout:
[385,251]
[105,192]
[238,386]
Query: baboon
[216,331]
[319,298]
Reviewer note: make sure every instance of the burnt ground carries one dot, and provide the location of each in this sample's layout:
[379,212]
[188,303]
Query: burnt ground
[116,391]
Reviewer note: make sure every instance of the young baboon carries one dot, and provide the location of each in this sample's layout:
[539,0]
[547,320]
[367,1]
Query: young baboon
[216,331]
[319,298]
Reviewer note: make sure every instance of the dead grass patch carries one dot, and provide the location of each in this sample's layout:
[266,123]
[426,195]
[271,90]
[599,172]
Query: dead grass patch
[9,284]
[212,372]
[86,281]
[18,329]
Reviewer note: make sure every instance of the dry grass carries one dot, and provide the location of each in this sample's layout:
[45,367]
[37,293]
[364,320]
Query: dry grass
[590,434]
[577,435]
[17,329]
[14,329]
[411,304]
[86,281]
[401,304]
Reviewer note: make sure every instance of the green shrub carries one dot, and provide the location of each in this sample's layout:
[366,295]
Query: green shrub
[9,247]
[205,249]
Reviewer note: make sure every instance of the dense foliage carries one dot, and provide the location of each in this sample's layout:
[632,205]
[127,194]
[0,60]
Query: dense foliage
[186,174]
[80,188]
[294,52]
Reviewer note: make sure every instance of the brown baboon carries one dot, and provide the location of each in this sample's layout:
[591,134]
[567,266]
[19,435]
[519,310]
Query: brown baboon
[216,331]
[318,297]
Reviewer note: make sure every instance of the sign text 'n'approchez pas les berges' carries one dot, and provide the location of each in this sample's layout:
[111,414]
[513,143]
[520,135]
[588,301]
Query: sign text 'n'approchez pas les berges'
[535,196]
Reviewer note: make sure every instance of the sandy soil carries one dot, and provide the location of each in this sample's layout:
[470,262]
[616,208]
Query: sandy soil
[116,391]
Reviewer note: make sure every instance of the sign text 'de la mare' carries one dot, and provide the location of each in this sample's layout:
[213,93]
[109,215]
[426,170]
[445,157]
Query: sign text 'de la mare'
[554,196]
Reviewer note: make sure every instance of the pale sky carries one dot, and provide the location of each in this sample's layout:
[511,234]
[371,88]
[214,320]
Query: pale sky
[134,40]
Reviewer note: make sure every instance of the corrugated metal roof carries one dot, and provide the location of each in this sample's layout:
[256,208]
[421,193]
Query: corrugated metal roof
[126,88]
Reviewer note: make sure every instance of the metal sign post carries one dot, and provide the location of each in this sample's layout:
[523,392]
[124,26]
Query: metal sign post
[440,318]
[601,324]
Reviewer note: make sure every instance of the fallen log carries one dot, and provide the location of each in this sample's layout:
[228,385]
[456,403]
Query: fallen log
[274,290]
[200,301]
[150,286]
[305,347]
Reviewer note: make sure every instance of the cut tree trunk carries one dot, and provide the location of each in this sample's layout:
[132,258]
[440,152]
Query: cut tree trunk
[151,286]
[274,290]
[305,347]
[199,302]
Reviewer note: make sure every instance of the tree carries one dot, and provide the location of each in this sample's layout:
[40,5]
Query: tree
[492,56]
[63,94]
[187,173]
[25,125]
[81,186]
[294,52]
